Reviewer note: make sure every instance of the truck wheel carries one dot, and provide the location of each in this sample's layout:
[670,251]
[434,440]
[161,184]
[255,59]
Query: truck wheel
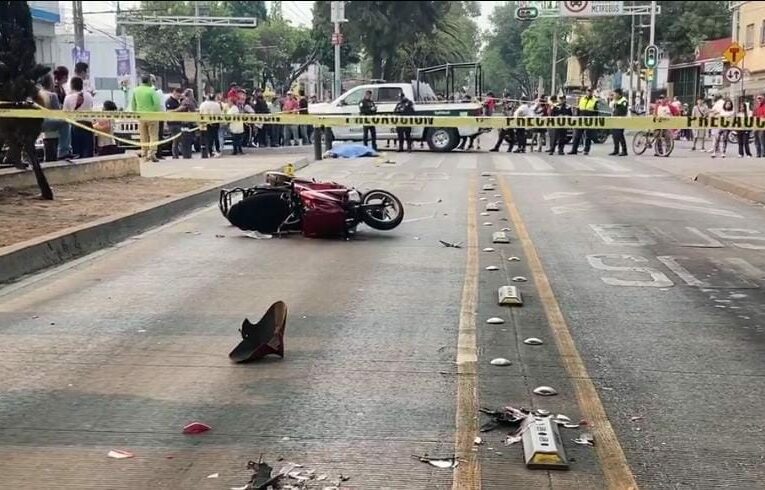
[442,139]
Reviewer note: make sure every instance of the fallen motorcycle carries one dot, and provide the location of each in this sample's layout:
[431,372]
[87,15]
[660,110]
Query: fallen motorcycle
[286,204]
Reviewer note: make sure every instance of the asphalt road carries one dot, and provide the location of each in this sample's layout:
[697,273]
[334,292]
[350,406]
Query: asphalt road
[646,290]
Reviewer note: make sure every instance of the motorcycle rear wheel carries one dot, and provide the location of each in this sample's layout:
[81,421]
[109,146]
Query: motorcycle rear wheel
[389,216]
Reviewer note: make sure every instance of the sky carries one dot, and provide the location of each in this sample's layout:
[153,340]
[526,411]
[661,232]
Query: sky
[297,12]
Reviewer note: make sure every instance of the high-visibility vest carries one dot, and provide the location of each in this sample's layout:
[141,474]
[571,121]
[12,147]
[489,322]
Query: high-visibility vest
[586,104]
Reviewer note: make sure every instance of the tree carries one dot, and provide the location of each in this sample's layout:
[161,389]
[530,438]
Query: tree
[537,41]
[19,74]
[283,52]
[503,66]
[321,35]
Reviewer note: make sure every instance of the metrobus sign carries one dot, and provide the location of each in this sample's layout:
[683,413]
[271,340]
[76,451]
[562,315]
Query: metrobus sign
[576,8]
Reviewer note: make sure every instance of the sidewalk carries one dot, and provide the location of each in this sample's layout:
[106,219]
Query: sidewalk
[226,167]
[743,177]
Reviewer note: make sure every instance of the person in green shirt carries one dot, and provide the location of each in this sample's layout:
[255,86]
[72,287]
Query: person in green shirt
[146,99]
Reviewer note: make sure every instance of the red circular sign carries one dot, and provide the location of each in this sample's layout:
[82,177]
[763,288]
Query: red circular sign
[575,6]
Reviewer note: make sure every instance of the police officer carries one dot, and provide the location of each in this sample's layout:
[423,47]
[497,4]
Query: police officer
[621,106]
[405,107]
[367,107]
[588,106]
[560,109]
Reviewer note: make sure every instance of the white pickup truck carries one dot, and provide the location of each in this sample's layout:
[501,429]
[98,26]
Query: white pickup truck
[385,96]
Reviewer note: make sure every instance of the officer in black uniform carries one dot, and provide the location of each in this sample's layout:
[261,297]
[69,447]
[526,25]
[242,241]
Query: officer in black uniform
[405,107]
[621,106]
[367,107]
[560,109]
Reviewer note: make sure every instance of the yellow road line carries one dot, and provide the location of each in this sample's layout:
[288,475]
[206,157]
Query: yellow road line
[612,460]
[467,475]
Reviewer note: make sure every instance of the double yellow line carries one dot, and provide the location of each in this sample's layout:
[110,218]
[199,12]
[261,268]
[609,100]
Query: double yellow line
[467,475]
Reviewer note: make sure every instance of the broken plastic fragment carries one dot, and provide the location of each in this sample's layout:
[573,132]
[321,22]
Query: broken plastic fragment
[119,454]
[495,321]
[500,361]
[492,268]
[321,477]
[245,487]
[585,439]
[545,391]
[477,441]
[561,419]
[257,235]
[533,341]
[513,440]
[214,475]
[451,244]
[195,428]
[513,259]
[635,419]
[519,279]
[440,462]
[488,249]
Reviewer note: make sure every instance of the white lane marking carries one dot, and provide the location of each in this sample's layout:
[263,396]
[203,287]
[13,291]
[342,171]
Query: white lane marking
[468,162]
[433,162]
[665,195]
[740,234]
[608,164]
[684,207]
[577,164]
[576,207]
[579,174]
[614,234]
[708,242]
[561,195]
[754,273]
[538,163]
[683,273]
[658,279]
[503,164]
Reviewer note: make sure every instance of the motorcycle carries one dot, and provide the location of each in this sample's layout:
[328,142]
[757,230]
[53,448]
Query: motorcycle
[287,204]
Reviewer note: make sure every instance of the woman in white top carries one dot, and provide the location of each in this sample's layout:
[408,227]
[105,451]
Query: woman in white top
[722,135]
[80,101]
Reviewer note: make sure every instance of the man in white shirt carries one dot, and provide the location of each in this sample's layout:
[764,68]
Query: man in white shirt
[210,107]
[80,101]
[523,110]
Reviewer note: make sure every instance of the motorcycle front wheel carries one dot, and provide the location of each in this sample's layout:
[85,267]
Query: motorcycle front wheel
[381,210]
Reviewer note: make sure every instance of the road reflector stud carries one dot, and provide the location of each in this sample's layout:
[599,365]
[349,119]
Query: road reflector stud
[542,446]
[500,237]
[492,206]
[509,295]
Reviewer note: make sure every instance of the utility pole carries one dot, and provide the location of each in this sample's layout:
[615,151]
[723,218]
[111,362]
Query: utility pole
[632,64]
[337,10]
[554,59]
[200,87]
[651,40]
[79,25]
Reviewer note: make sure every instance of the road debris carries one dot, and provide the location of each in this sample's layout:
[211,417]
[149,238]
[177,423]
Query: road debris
[519,279]
[585,439]
[545,391]
[500,237]
[477,441]
[451,244]
[220,236]
[261,477]
[510,440]
[214,475]
[263,338]
[505,417]
[542,412]
[485,174]
[561,419]
[636,418]
[484,213]
[257,235]
[119,454]
[195,428]
[450,462]
[495,321]
[488,249]
[500,361]
[492,268]
[533,341]
[513,259]
[488,223]
[570,426]
[506,229]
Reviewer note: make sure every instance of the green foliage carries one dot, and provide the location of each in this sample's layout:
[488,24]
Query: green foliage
[537,41]
[682,26]
[503,58]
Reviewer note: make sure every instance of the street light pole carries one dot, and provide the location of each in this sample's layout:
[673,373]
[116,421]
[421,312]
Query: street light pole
[199,56]
[554,60]
[632,64]
[651,40]
[338,83]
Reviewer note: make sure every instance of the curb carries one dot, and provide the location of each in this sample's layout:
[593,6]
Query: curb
[56,248]
[752,193]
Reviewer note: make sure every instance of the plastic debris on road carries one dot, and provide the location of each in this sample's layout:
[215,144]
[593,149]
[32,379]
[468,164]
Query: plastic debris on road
[545,391]
[450,244]
[585,439]
[495,321]
[195,428]
[214,475]
[636,418]
[492,268]
[450,462]
[119,454]
[262,338]
[257,236]
[488,249]
[561,419]
[477,441]
[505,417]
[262,477]
[220,236]
[519,279]
[510,440]
[513,259]
[500,361]
[533,341]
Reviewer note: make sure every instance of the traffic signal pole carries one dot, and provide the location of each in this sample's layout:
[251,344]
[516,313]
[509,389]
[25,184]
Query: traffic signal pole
[652,38]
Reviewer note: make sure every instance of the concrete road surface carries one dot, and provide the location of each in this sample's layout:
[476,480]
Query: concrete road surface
[646,290]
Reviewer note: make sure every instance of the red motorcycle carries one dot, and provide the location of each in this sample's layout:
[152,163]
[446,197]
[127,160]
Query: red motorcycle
[286,204]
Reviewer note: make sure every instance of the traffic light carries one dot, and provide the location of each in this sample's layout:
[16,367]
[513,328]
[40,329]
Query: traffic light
[651,56]
[646,74]
[526,13]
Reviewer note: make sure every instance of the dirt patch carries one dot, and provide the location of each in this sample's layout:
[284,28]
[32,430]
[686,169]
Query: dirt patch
[24,216]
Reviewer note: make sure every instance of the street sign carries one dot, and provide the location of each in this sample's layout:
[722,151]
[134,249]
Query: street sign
[713,80]
[337,12]
[526,13]
[590,9]
[734,53]
[713,66]
[733,74]
[651,56]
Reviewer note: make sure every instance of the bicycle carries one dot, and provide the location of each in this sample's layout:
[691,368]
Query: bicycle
[660,140]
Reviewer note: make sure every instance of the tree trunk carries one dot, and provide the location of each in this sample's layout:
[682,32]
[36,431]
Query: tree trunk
[376,65]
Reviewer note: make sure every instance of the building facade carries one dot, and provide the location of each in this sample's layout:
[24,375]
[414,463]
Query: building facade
[45,16]
[748,30]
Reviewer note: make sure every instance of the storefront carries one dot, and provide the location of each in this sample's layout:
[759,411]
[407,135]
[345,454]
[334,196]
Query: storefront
[45,16]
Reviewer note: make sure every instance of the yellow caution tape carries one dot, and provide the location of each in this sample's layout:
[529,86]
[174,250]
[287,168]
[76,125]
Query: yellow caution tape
[595,122]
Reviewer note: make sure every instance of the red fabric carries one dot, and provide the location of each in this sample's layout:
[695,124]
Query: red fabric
[196,428]
[759,111]
[674,110]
